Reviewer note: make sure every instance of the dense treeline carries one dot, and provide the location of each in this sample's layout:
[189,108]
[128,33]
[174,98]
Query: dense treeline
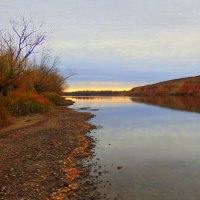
[26,85]
[95,93]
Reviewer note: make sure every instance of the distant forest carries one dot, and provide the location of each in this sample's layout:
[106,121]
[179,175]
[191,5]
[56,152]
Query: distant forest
[95,93]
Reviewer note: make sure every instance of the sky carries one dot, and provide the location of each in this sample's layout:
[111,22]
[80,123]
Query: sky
[117,44]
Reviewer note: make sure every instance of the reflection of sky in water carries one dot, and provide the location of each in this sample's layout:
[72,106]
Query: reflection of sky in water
[159,150]
[99,102]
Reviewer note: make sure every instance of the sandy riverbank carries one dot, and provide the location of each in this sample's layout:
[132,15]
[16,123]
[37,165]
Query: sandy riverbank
[41,156]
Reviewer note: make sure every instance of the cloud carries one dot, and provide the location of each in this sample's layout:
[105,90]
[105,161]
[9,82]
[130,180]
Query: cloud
[110,29]
[168,44]
[118,40]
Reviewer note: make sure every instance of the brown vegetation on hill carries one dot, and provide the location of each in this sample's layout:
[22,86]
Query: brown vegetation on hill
[178,87]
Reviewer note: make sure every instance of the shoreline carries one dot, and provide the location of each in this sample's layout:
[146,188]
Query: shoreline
[44,160]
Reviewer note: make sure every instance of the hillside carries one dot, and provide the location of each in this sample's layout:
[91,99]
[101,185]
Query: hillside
[178,87]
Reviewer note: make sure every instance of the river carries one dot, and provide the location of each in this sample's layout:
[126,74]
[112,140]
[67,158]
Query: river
[146,150]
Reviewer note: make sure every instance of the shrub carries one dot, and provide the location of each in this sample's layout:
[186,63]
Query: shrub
[55,98]
[24,107]
[23,104]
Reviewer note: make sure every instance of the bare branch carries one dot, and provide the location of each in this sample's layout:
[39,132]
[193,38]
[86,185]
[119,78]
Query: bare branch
[19,44]
[69,76]
[26,37]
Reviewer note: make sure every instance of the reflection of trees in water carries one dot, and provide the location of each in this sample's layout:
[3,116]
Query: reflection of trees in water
[189,103]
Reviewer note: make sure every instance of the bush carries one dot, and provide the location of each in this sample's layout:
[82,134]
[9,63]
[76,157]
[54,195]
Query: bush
[55,98]
[24,107]
[23,104]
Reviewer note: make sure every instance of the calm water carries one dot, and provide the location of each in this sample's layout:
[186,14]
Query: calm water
[146,152]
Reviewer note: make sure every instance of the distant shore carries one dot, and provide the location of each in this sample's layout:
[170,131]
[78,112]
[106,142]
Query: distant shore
[41,160]
[95,93]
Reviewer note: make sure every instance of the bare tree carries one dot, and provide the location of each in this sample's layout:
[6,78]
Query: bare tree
[24,38]
[47,75]
[17,46]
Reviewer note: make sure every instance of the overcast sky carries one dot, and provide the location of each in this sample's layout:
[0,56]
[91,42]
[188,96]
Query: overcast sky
[117,43]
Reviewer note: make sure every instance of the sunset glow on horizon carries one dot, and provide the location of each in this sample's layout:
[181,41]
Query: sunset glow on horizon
[95,89]
[99,86]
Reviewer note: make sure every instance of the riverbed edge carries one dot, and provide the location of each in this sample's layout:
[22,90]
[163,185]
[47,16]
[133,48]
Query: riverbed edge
[81,143]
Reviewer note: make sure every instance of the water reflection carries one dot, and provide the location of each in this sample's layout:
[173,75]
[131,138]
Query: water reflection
[101,102]
[146,152]
[189,103]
